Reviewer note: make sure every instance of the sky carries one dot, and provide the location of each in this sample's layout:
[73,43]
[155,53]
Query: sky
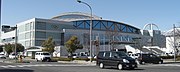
[137,13]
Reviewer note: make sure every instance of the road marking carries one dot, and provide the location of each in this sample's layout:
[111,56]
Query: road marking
[40,65]
[4,66]
[11,66]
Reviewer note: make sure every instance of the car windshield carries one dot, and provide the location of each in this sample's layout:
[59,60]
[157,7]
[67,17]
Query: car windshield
[12,54]
[74,54]
[46,54]
[122,54]
[1,54]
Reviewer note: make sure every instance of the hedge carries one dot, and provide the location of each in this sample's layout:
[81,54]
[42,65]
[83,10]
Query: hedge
[70,59]
[169,57]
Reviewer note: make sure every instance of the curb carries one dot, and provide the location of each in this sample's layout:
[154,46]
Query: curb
[9,62]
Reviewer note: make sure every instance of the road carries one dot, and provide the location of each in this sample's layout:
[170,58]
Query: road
[61,67]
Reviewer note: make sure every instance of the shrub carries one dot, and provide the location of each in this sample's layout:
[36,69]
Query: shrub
[70,59]
[178,58]
[85,59]
[54,59]
[94,59]
[167,57]
[64,59]
[170,57]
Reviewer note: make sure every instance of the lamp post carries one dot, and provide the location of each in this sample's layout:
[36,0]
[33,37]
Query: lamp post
[15,43]
[174,42]
[90,27]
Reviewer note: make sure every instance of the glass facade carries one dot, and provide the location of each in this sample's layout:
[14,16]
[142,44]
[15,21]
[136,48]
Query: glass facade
[106,42]
[43,30]
[34,32]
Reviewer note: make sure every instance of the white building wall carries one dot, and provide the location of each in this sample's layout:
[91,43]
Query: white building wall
[29,31]
[8,34]
[169,44]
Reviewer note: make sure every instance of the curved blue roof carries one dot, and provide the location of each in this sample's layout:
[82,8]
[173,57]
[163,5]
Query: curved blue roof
[106,25]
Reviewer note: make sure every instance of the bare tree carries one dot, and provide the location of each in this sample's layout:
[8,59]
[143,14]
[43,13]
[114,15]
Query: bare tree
[177,40]
[111,34]
[86,41]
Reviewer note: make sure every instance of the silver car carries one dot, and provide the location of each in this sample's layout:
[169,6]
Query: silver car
[2,56]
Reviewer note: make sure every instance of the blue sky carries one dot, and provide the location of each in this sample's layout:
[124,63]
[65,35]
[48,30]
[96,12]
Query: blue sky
[137,13]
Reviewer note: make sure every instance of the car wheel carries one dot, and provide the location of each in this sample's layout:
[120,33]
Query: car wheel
[37,60]
[132,68]
[160,62]
[120,67]
[101,65]
[142,62]
[48,60]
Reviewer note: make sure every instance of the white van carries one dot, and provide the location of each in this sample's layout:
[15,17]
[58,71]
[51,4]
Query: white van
[43,56]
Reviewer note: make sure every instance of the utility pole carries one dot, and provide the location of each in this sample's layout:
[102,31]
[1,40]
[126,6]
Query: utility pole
[16,43]
[0,14]
[174,42]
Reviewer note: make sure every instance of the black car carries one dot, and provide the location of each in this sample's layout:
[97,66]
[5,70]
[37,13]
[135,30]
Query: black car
[117,59]
[149,58]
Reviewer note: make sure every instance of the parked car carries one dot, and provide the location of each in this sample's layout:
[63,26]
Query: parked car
[2,56]
[75,55]
[134,56]
[43,56]
[170,54]
[117,59]
[149,58]
[12,56]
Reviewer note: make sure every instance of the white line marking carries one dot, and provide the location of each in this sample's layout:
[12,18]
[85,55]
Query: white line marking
[40,65]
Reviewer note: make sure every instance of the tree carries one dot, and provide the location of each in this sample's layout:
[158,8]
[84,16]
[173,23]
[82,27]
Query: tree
[170,41]
[86,42]
[48,45]
[11,48]
[19,47]
[111,34]
[72,45]
[8,48]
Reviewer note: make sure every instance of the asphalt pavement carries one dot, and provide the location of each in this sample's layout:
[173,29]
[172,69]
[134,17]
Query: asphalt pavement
[81,66]
[61,67]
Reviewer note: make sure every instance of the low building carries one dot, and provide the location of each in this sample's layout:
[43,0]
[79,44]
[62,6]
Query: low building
[172,44]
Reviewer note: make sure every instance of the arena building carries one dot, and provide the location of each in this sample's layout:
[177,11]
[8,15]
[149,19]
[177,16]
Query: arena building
[110,34]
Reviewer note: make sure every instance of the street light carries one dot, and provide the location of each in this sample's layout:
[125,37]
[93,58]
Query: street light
[90,27]
[15,43]
[174,42]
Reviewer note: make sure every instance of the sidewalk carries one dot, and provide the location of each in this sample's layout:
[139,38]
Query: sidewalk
[79,62]
[24,60]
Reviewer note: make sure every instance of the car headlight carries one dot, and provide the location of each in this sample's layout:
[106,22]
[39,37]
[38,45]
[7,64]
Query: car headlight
[125,61]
